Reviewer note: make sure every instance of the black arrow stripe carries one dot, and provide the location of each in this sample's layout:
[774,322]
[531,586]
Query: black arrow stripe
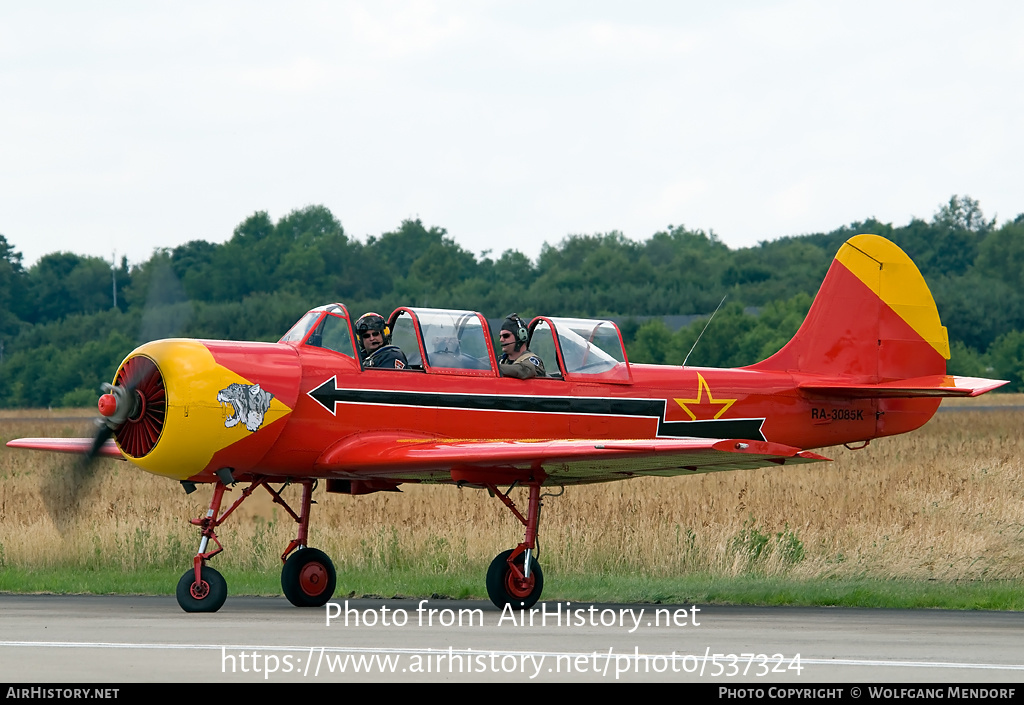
[328,395]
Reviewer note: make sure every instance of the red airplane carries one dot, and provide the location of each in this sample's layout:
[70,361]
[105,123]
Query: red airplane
[869,361]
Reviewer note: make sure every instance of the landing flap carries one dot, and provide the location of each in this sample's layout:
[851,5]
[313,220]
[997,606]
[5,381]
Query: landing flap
[570,461]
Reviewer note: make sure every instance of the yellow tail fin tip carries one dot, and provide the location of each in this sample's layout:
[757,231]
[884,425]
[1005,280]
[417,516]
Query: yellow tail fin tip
[895,279]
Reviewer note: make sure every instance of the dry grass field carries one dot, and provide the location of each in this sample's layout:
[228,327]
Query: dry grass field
[944,503]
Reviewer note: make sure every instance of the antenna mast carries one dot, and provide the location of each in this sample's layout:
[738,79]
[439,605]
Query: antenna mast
[702,330]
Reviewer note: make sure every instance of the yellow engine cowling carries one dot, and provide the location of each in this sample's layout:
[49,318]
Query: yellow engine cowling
[204,405]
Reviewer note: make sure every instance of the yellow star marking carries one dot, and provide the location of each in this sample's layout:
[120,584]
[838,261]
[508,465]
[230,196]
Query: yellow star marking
[702,388]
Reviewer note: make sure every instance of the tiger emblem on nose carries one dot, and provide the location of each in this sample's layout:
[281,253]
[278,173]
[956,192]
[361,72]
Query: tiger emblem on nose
[248,402]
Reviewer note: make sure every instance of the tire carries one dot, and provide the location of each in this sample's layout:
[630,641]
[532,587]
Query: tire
[504,590]
[308,578]
[208,596]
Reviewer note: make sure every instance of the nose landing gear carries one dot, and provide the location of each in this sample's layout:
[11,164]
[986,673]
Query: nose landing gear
[308,577]
[205,593]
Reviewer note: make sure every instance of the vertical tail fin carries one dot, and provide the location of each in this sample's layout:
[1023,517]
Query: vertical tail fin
[873,331]
[873,320]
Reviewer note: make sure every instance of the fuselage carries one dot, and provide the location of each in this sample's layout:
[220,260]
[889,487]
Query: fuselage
[279,409]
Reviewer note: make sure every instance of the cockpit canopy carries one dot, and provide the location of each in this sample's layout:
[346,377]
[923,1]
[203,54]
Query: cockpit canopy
[446,341]
[585,349]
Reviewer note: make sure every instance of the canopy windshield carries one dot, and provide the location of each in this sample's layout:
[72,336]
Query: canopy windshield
[323,327]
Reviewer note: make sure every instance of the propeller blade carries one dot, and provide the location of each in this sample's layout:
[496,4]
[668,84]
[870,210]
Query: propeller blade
[64,488]
[103,434]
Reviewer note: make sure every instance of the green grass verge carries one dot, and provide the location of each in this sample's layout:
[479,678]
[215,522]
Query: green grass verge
[695,589]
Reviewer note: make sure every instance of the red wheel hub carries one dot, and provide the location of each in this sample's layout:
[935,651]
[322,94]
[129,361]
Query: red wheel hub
[200,590]
[519,587]
[313,579]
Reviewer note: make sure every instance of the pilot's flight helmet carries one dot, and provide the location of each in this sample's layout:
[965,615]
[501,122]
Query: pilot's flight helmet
[372,321]
[514,325]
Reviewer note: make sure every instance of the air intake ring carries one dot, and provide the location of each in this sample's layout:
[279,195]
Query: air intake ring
[138,435]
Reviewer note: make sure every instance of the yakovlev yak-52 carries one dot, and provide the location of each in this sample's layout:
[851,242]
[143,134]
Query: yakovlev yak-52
[868,361]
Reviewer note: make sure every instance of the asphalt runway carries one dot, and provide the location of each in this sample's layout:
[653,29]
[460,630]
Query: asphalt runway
[118,639]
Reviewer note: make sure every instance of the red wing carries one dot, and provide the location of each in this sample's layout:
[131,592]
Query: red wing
[564,461]
[67,445]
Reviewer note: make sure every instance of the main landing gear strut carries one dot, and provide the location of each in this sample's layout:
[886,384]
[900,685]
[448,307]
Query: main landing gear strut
[514,577]
[308,577]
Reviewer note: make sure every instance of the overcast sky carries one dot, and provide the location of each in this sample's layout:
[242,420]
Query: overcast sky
[129,126]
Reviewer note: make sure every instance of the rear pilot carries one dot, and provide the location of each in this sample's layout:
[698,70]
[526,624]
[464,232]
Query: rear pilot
[516,359]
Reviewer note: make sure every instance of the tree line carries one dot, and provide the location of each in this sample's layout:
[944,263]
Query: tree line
[61,333]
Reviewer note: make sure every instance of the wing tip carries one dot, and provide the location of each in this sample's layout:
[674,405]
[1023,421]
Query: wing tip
[67,445]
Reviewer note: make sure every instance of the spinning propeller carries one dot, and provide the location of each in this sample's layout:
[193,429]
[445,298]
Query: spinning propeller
[131,410]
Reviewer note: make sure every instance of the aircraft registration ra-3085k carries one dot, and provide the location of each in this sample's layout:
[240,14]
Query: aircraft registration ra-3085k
[868,361]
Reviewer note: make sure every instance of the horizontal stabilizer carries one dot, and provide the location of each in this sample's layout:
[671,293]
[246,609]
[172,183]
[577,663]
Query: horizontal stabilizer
[78,446]
[928,386]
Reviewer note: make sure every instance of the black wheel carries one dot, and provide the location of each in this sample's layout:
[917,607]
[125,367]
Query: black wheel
[205,596]
[504,588]
[308,578]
